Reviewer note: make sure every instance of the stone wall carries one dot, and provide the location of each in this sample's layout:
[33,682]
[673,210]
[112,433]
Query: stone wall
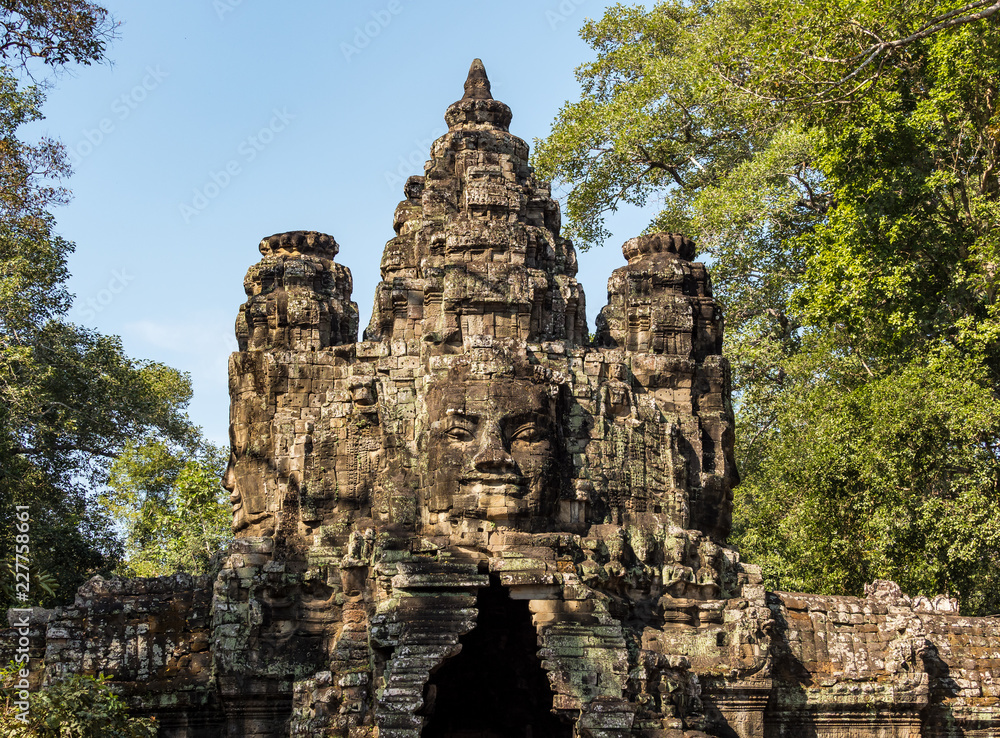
[152,636]
[912,667]
[477,522]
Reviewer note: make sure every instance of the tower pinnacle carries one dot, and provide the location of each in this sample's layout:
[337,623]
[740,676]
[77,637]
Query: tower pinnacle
[477,110]
[477,86]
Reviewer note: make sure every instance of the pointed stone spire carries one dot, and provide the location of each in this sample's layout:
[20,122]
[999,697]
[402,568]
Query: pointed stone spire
[477,110]
[477,86]
[477,253]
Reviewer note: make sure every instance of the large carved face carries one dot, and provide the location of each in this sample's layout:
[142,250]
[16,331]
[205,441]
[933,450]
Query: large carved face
[491,451]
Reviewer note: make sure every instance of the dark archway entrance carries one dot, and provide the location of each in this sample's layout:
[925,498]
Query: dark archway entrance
[496,687]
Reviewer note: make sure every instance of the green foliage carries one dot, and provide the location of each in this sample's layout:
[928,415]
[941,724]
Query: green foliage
[893,477]
[838,164]
[175,513]
[55,31]
[74,402]
[71,401]
[32,288]
[75,707]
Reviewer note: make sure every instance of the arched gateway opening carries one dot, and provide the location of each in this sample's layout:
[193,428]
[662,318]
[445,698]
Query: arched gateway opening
[496,687]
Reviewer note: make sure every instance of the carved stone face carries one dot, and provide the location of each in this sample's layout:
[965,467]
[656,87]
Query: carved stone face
[244,479]
[491,451]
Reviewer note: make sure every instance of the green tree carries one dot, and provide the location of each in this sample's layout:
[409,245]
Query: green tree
[175,513]
[79,403]
[76,707]
[71,401]
[838,164]
[54,32]
[892,477]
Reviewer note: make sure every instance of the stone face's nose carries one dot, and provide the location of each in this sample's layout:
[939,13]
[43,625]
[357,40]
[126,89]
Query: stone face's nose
[493,456]
[229,478]
[477,86]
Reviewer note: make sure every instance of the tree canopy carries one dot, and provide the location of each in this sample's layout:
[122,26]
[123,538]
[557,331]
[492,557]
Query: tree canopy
[55,32]
[838,164]
[71,402]
[174,513]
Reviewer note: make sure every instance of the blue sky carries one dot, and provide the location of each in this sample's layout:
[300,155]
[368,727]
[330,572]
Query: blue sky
[220,122]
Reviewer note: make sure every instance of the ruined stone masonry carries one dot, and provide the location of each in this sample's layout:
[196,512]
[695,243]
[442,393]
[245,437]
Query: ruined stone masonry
[477,522]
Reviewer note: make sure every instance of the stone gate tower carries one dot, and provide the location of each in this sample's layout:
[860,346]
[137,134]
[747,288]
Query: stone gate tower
[479,521]
[485,523]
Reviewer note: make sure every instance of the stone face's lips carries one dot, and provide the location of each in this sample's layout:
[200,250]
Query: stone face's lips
[509,486]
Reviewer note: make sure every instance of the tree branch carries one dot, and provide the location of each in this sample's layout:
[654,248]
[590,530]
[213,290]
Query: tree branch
[29,451]
[938,23]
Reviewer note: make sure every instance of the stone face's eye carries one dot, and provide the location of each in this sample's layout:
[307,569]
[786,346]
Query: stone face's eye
[460,433]
[528,433]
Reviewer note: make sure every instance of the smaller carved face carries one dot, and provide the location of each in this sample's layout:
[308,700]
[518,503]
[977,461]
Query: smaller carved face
[491,451]
[244,479]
